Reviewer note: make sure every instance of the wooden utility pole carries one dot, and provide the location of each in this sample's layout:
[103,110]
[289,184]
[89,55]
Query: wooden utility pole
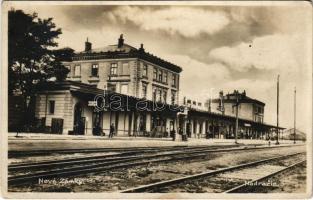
[294,118]
[277,128]
[236,127]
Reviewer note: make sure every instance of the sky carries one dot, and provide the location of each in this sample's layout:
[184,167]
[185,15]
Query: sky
[219,47]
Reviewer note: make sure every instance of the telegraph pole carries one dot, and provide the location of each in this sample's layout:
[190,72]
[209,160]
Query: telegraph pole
[294,118]
[236,127]
[277,129]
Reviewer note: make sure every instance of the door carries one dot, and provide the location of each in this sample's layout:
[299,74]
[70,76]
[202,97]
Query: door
[97,123]
[79,121]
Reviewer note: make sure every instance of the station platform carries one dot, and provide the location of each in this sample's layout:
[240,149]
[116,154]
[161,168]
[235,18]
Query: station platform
[35,141]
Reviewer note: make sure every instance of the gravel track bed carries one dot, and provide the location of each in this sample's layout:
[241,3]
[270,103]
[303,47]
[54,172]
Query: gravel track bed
[120,179]
[222,182]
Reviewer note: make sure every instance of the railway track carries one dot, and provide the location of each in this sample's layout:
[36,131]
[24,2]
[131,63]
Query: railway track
[233,187]
[45,152]
[244,188]
[79,166]
[112,157]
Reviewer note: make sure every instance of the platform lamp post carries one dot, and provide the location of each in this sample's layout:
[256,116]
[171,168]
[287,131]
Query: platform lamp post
[17,130]
[27,108]
[277,128]
[294,118]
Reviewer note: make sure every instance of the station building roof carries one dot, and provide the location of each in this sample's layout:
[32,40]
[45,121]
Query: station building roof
[123,50]
[202,113]
[243,98]
[88,93]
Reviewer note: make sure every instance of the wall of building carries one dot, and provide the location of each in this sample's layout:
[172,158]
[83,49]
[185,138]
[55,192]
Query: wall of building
[151,83]
[245,110]
[63,108]
[131,76]
[125,75]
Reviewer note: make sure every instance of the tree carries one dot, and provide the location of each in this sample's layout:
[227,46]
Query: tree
[32,56]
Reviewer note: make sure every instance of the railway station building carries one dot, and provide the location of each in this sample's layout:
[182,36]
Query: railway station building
[119,72]
[138,92]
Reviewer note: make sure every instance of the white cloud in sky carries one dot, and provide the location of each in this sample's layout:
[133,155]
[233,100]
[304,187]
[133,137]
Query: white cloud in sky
[287,51]
[197,77]
[284,54]
[267,52]
[79,37]
[188,22]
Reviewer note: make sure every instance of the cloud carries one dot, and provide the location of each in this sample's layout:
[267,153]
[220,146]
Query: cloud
[267,53]
[211,43]
[186,21]
[197,77]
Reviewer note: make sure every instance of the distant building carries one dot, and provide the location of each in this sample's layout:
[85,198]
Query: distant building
[250,109]
[216,118]
[289,134]
[191,103]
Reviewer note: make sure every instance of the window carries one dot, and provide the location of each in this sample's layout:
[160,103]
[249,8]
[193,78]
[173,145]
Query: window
[164,96]
[124,88]
[111,87]
[51,107]
[173,97]
[94,69]
[154,94]
[144,90]
[160,77]
[125,69]
[159,95]
[113,70]
[165,77]
[69,68]
[174,80]
[77,70]
[155,74]
[145,70]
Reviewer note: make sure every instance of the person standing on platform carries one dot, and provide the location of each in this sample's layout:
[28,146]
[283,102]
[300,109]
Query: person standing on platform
[173,134]
[184,135]
[112,130]
[181,132]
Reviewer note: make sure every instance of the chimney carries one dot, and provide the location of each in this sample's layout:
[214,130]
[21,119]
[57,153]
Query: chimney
[88,45]
[120,41]
[141,49]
